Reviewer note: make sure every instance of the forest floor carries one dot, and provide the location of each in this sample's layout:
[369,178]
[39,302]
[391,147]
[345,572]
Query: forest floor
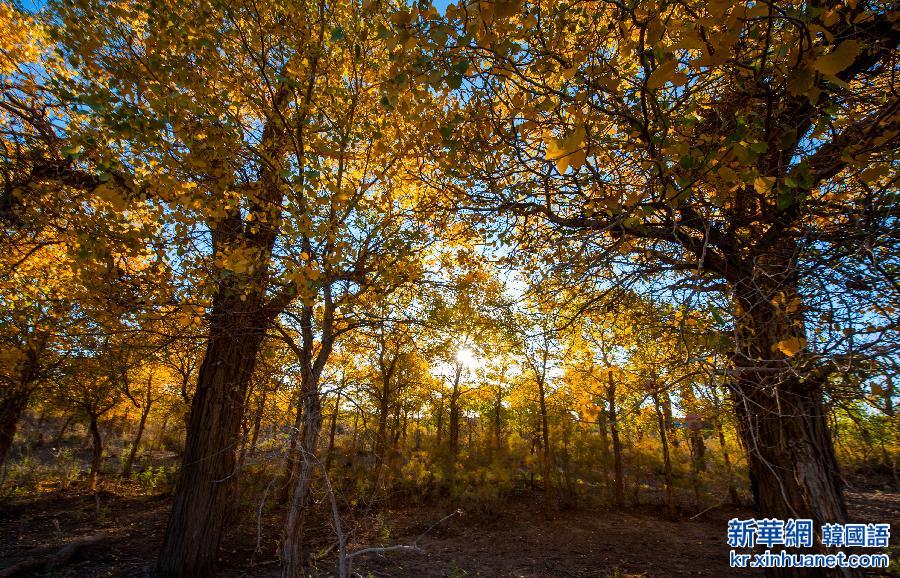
[520,542]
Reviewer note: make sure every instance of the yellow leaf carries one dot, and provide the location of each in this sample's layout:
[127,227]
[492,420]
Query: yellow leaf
[872,174]
[838,59]
[790,346]
[663,74]
[727,174]
[763,184]
[717,8]
[568,151]
[689,40]
[506,8]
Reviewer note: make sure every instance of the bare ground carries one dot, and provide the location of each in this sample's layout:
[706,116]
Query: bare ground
[520,542]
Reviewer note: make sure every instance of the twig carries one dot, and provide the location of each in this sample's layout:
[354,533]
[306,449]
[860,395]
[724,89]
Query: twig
[414,547]
[706,510]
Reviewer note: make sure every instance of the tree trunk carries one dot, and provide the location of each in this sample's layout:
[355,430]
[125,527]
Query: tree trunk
[57,441]
[355,439]
[498,423]
[203,496]
[381,436]
[782,423]
[129,463]
[11,408]
[729,471]
[334,417]
[619,481]
[257,421]
[96,451]
[667,460]
[698,461]
[161,436]
[440,422]
[603,430]
[549,497]
[292,557]
[13,403]
[733,497]
[292,463]
[454,418]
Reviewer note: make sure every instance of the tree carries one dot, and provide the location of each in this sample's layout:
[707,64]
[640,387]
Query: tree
[730,144]
[269,158]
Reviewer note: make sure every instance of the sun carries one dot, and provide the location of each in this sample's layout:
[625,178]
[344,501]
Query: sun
[468,358]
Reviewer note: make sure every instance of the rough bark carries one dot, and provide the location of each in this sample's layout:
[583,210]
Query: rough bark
[781,418]
[202,499]
[292,462]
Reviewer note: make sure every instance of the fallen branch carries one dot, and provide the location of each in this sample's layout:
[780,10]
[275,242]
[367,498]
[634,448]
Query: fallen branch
[706,510]
[60,558]
[414,547]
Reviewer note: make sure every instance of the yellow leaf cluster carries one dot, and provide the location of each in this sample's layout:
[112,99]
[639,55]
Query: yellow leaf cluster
[569,151]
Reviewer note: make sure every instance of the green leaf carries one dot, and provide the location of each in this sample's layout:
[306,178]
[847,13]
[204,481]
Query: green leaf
[454,81]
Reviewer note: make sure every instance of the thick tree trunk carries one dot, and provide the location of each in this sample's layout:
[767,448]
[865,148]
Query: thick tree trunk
[12,405]
[618,470]
[129,463]
[782,422]
[202,499]
[14,401]
[96,451]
